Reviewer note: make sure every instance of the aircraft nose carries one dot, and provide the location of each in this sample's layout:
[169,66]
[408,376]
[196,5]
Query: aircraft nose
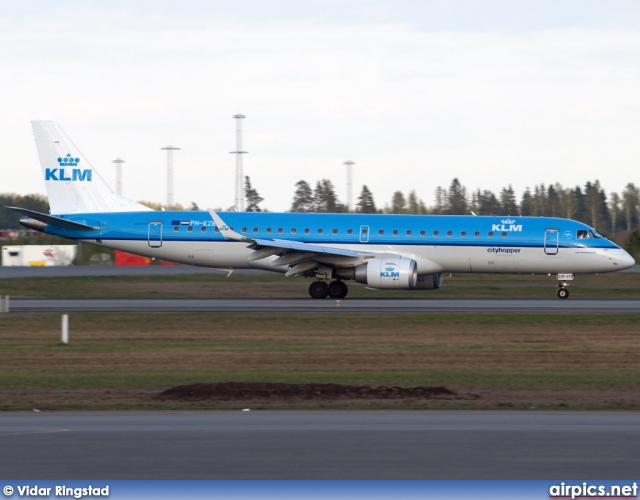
[626,261]
[620,259]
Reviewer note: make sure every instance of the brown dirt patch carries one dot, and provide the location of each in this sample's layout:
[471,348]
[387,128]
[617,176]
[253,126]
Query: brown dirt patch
[281,392]
[127,360]
[256,395]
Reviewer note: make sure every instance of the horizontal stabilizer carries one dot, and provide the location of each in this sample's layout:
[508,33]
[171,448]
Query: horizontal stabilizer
[54,221]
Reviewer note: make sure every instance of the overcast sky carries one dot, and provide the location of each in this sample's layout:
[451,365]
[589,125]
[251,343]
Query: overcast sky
[414,92]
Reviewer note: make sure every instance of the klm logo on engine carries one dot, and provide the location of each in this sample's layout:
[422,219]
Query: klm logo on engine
[507,225]
[66,173]
[390,272]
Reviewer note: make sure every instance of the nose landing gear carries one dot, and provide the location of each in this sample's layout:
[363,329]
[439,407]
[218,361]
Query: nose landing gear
[562,291]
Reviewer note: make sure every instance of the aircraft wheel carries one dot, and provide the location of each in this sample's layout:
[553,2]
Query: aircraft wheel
[338,290]
[562,293]
[318,290]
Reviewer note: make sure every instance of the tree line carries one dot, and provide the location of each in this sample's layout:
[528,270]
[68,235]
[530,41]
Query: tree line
[589,204]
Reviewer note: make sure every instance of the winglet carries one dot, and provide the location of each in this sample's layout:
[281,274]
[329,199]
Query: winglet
[229,234]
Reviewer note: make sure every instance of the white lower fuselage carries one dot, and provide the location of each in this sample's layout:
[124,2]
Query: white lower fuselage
[429,258]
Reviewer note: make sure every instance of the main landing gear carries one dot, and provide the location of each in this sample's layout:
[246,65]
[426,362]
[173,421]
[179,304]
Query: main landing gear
[335,290]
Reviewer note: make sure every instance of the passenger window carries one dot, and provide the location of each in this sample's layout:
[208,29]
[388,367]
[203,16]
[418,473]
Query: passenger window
[408,232]
[422,233]
[335,231]
[436,233]
[449,233]
[293,230]
[268,230]
[280,230]
[217,229]
[176,228]
[395,232]
[463,233]
[189,228]
[203,229]
[476,234]
[255,229]
[306,230]
[381,231]
[490,234]
[504,234]
[320,231]
[349,231]
[244,229]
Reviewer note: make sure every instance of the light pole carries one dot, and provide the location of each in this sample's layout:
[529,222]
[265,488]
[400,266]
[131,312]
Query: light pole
[239,174]
[118,162]
[170,150]
[349,165]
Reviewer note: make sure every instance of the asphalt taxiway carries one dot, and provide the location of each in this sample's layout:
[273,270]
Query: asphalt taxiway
[319,445]
[282,305]
[12,272]
[327,305]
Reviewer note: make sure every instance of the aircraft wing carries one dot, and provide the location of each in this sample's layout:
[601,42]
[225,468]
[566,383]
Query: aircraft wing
[303,247]
[299,256]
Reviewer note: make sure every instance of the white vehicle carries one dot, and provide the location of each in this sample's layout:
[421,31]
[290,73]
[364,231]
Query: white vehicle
[38,255]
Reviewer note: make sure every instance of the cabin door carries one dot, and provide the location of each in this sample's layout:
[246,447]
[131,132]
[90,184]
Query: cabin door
[155,234]
[551,237]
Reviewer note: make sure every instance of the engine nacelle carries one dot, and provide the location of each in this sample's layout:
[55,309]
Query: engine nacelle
[429,282]
[389,273]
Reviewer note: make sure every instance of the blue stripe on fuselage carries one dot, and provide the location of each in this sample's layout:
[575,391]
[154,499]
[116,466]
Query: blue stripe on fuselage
[506,231]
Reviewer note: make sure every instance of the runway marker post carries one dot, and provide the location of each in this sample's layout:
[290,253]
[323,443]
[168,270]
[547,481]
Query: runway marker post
[65,328]
[4,304]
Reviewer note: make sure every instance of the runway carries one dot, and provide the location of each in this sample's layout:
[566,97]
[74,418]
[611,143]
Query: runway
[319,445]
[327,305]
[13,272]
[282,305]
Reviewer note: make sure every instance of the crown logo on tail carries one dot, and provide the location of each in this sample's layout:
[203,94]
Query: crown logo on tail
[68,161]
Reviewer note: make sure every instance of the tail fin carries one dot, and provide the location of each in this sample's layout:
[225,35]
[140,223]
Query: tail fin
[73,185]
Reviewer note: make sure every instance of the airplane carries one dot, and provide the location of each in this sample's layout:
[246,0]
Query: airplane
[381,251]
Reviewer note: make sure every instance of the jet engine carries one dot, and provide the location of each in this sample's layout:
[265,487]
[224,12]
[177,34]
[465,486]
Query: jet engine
[429,282]
[389,273]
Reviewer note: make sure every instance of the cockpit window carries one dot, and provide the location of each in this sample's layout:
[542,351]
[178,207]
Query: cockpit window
[596,234]
[583,234]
